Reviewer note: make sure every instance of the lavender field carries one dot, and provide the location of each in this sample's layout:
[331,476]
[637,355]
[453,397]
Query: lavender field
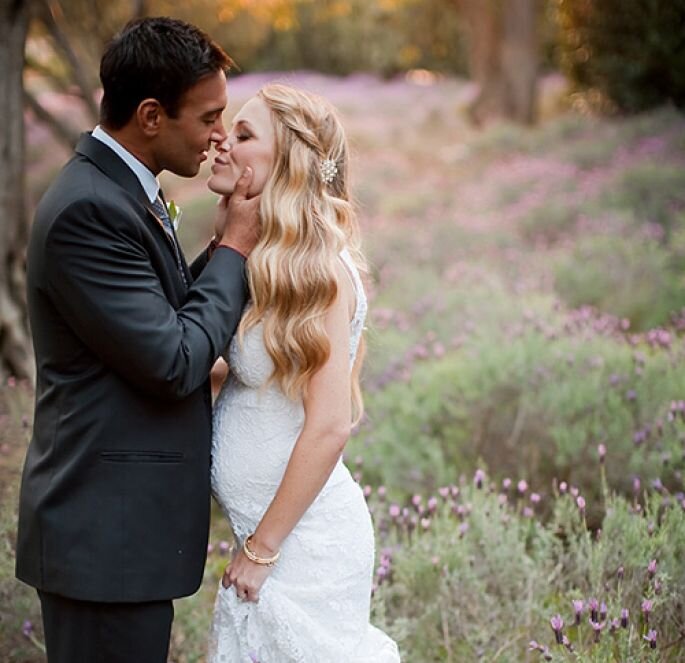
[524,442]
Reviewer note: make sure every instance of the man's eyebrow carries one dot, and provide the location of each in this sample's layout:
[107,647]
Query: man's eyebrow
[213,111]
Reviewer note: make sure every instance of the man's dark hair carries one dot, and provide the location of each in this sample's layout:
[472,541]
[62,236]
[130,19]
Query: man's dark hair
[159,58]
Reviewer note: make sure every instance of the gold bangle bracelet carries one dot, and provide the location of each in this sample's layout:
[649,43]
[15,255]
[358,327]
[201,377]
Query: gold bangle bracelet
[264,561]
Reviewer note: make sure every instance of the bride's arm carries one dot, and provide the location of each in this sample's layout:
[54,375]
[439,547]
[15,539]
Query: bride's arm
[218,375]
[326,429]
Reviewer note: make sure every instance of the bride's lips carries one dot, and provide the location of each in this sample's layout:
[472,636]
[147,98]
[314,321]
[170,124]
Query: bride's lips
[218,164]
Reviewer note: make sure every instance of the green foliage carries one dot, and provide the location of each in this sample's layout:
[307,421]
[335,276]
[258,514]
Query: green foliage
[382,36]
[535,401]
[20,622]
[651,191]
[629,277]
[631,52]
[460,584]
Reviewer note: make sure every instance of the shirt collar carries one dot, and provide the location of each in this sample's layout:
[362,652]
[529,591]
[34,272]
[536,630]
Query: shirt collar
[147,180]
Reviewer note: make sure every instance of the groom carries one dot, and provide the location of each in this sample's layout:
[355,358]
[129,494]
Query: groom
[114,506]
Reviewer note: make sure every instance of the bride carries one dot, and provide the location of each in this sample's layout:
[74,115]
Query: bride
[299,587]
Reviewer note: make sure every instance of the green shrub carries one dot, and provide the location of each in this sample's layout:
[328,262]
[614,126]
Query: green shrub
[630,277]
[652,192]
[20,621]
[475,575]
[631,51]
[534,400]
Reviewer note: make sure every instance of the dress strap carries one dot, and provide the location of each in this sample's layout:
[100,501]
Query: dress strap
[357,322]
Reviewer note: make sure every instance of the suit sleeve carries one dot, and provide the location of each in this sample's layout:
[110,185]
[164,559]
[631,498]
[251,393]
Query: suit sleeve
[100,277]
[199,263]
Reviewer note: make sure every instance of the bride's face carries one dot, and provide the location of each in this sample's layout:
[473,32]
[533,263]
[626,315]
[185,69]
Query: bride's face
[251,142]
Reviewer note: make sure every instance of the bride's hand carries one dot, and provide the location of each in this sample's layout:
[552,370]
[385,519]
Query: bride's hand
[246,576]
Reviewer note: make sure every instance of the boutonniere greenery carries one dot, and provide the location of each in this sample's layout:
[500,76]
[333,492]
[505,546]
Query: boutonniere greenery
[175,214]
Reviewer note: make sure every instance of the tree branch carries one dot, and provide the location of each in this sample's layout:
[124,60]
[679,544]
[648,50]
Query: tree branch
[51,15]
[64,133]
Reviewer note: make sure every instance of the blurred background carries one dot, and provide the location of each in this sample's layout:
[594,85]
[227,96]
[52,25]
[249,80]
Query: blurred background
[519,169]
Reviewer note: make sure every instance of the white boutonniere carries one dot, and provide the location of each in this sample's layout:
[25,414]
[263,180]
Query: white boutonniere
[175,214]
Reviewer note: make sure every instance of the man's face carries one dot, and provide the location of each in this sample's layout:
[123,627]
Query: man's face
[183,142]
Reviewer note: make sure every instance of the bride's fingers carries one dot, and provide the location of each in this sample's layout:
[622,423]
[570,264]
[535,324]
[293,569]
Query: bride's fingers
[226,580]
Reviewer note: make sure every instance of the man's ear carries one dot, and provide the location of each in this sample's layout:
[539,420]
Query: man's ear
[149,115]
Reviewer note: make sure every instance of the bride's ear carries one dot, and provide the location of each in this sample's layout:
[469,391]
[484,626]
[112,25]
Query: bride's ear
[149,116]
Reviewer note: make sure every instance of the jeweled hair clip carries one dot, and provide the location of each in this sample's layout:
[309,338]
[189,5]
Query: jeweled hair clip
[328,170]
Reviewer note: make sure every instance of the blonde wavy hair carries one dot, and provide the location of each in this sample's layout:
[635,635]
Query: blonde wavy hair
[306,222]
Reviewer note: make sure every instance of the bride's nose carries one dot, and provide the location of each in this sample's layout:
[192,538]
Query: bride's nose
[224,145]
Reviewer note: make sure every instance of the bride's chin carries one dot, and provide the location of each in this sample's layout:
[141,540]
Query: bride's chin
[218,187]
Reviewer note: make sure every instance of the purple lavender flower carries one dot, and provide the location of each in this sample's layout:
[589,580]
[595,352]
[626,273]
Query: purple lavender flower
[463,528]
[522,486]
[578,609]
[563,487]
[651,569]
[381,493]
[620,572]
[394,511]
[602,451]
[593,606]
[557,624]
[624,617]
[597,627]
[506,483]
[479,478]
[432,505]
[27,628]
[535,498]
[224,547]
[646,609]
[651,638]
[602,611]
[580,501]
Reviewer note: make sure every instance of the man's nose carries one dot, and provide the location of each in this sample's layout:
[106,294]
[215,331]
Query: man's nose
[219,134]
[224,145]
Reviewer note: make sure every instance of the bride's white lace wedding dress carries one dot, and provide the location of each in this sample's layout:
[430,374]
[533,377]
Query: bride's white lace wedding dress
[314,606]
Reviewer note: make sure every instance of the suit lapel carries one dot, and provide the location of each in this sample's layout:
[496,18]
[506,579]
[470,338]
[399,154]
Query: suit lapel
[110,164]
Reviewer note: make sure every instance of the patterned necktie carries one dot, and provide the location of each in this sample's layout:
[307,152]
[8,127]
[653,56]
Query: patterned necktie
[161,211]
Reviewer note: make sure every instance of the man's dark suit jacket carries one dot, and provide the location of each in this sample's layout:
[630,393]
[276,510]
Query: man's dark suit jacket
[115,492]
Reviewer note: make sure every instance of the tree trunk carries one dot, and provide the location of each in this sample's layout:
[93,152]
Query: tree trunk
[15,347]
[502,58]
